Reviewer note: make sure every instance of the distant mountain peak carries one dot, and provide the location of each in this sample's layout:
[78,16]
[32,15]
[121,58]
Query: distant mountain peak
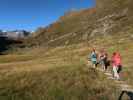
[15,33]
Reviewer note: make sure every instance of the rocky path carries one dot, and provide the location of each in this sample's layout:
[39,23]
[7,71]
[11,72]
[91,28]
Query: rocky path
[122,85]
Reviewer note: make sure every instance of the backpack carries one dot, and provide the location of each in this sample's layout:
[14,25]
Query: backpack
[94,55]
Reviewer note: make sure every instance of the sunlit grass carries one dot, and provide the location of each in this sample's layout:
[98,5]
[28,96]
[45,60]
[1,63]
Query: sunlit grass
[60,74]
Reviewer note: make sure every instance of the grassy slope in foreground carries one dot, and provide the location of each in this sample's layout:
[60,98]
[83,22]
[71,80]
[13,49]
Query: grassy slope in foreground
[59,74]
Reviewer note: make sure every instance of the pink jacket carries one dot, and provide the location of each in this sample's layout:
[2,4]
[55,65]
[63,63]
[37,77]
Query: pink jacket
[116,59]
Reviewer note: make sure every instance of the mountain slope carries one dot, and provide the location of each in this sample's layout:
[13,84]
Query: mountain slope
[108,17]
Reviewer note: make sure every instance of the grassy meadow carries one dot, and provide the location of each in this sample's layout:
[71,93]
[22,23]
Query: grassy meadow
[61,73]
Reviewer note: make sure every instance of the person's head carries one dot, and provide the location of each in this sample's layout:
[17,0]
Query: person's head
[117,54]
[93,50]
[114,53]
[102,50]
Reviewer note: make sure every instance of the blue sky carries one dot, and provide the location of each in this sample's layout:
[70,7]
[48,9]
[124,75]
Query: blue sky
[30,14]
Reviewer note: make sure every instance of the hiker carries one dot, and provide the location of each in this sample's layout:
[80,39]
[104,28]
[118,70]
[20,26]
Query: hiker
[103,56]
[93,58]
[117,66]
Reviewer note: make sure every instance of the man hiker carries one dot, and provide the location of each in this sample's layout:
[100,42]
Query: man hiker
[117,66]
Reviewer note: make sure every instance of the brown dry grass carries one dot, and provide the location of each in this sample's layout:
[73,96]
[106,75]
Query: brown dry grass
[58,74]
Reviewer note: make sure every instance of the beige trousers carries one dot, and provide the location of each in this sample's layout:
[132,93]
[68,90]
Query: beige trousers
[116,74]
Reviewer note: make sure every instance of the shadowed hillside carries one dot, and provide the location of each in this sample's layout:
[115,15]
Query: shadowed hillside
[6,42]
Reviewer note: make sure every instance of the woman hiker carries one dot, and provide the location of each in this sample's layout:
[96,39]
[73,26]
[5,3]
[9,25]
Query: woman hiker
[93,58]
[103,59]
[117,65]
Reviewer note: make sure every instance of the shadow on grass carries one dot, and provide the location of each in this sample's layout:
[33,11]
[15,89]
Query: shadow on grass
[128,93]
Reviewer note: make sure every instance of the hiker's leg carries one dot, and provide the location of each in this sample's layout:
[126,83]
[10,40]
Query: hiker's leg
[117,74]
[94,64]
[88,64]
[91,64]
[103,66]
[119,70]
[115,71]
[100,62]
[106,67]
[112,71]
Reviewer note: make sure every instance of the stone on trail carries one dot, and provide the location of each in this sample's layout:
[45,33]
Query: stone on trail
[111,78]
[125,87]
[109,74]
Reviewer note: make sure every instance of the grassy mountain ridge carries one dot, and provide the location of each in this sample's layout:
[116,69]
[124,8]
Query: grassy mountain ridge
[108,17]
[69,24]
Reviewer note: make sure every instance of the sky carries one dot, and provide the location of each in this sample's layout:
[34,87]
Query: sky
[31,14]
